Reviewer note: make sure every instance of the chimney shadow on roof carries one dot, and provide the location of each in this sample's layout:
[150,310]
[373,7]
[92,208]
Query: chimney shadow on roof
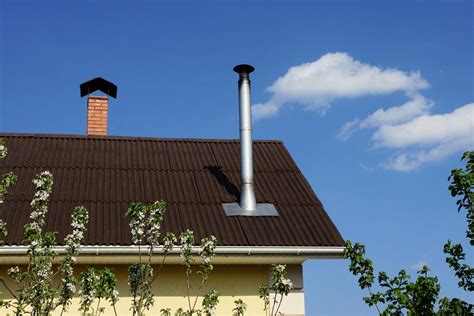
[231,188]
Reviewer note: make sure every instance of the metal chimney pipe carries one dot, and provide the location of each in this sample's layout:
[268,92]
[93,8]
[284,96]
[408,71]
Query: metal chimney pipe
[247,193]
[247,205]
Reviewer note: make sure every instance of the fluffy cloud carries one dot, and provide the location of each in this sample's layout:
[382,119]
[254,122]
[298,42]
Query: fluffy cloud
[415,107]
[427,138]
[417,135]
[334,76]
[428,129]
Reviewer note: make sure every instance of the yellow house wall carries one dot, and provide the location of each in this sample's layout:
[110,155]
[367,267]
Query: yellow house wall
[231,281]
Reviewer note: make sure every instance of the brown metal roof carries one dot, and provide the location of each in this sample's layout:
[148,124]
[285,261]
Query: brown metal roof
[194,177]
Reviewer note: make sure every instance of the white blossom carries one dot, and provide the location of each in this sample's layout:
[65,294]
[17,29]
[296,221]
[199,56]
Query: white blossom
[280,268]
[70,287]
[3,151]
[287,282]
[169,242]
[114,296]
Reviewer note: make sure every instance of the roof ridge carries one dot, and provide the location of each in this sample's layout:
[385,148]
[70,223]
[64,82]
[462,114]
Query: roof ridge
[133,138]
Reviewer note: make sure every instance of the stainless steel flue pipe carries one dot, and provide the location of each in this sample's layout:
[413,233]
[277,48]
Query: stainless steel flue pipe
[247,192]
[247,205]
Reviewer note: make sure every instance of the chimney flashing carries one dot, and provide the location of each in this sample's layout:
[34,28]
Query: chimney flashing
[262,209]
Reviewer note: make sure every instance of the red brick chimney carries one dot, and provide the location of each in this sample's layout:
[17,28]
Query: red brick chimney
[97,107]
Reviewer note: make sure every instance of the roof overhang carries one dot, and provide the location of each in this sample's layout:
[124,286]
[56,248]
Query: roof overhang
[224,254]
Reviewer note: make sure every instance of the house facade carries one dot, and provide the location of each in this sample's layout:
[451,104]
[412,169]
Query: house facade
[197,178]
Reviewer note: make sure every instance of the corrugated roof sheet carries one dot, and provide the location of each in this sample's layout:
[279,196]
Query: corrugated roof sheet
[194,177]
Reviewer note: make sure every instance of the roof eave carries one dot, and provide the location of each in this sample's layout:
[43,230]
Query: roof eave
[106,254]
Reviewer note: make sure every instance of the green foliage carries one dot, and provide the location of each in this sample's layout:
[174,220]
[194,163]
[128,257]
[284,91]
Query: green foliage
[140,276]
[180,312]
[187,240]
[208,247]
[454,307]
[281,287]
[6,181]
[80,218]
[145,225]
[97,285]
[423,292]
[240,308]
[462,270]
[359,264]
[398,295]
[264,295]
[206,253]
[35,292]
[209,303]
[106,286]
[87,289]
[165,312]
[462,185]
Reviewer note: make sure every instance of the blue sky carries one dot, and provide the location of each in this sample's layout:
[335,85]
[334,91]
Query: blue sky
[384,184]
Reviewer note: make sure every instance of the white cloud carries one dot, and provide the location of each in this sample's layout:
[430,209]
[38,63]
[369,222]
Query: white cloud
[348,129]
[334,76]
[434,137]
[418,105]
[418,136]
[428,129]
[398,114]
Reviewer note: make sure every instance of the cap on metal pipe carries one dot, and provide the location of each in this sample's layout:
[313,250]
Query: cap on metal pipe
[243,69]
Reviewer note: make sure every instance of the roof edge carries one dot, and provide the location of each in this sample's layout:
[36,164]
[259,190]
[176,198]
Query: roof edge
[306,251]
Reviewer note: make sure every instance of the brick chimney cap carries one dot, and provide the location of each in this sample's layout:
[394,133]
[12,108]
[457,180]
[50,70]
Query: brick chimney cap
[101,84]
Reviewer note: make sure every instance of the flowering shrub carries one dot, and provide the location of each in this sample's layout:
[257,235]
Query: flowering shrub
[145,225]
[3,149]
[38,290]
[169,240]
[240,307]
[36,293]
[208,247]
[281,286]
[6,181]
[209,303]
[80,218]
[97,285]
[206,253]
[87,291]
